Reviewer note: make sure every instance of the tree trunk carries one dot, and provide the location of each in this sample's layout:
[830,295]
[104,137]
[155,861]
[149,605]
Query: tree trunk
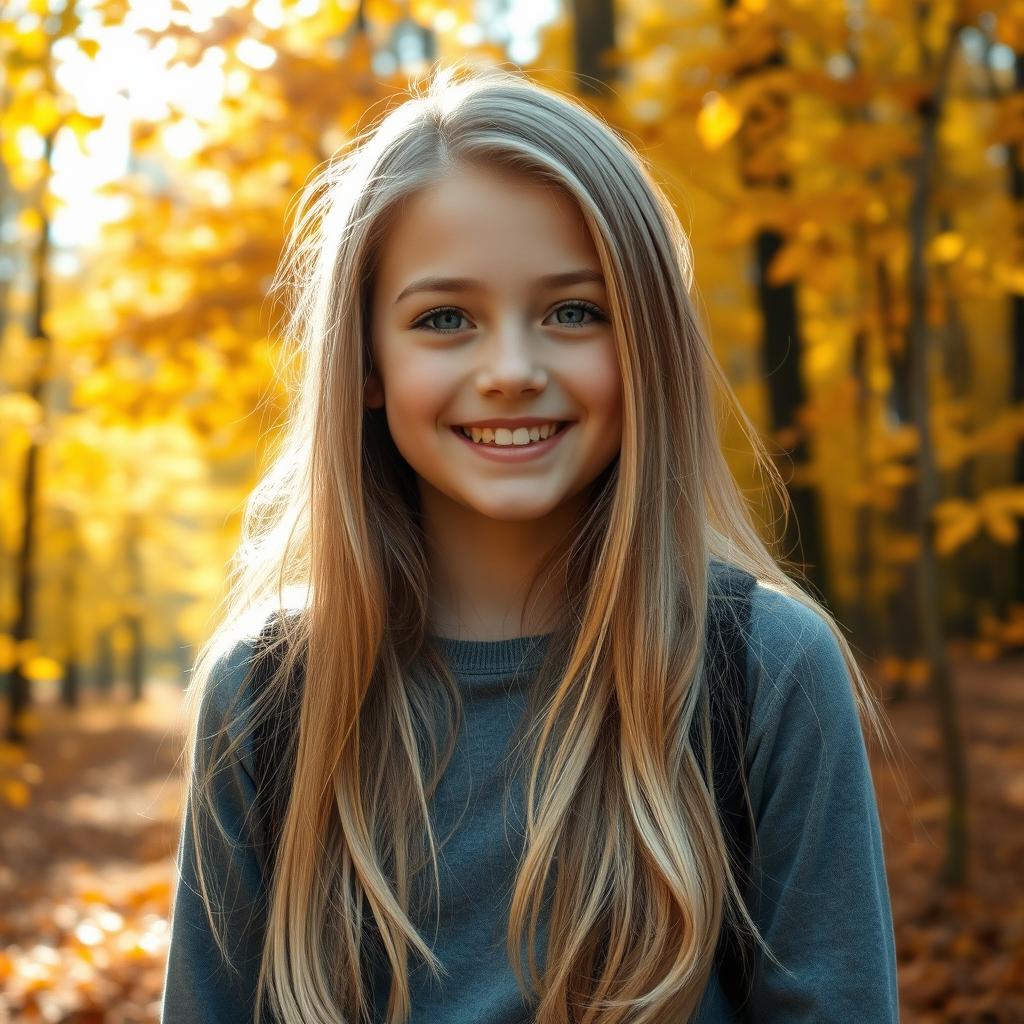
[1017,365]
[23,627]
[70,686]
[594,35]
[134,618]
[106,663]
[803,542]
[925,488]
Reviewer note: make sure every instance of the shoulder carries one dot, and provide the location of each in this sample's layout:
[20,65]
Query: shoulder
[232,660]
[224,703]
[797,676]
[230,669]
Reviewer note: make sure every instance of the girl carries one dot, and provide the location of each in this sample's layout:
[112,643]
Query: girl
[479,627]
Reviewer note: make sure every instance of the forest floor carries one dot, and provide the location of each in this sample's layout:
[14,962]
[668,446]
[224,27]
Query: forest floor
[91,818]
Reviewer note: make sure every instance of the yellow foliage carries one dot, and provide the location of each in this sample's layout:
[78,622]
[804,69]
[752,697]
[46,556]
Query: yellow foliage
[29,221]
[7,659]
[11,754]
[957,522]
[946,247]
[792,260]
[19,409]
[161,327]
[81,125]
[44,114]
[902,548]
[1008,277]
[1001,528]
[42,668]
[386,12]
[27,650]
[718,121]
[895,475]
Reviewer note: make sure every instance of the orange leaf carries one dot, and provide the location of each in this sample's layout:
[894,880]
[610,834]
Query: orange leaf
[1000,528]
[16,793]
[957,530]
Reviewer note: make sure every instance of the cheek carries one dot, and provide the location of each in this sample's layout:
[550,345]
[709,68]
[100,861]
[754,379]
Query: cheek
[417,392]
[598,383]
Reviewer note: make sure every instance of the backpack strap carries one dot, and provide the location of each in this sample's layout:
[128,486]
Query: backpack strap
[728,619]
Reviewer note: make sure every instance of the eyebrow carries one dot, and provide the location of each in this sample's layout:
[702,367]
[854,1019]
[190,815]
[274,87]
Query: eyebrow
[460,284]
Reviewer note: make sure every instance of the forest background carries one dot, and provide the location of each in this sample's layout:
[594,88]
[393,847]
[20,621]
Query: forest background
[851,176]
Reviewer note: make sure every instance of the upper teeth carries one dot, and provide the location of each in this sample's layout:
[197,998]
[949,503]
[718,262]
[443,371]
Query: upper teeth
[505,436]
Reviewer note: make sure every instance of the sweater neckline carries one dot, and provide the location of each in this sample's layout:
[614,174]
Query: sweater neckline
[492,657]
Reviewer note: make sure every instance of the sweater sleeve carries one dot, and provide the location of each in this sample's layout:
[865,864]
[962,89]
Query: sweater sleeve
[199,988]
[820,895]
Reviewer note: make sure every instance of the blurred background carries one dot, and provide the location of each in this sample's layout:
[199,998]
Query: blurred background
[852,178]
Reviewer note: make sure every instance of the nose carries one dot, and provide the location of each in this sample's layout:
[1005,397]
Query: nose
[509,364]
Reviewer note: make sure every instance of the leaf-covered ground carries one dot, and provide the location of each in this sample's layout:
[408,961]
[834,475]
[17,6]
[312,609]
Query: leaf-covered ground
[90,826]
[960,952]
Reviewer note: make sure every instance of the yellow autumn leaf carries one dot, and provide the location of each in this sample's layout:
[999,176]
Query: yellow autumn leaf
[955,531]
[1008,277]
[15,792]
[42,668]
[1001,528]
[1009,500]
[385,11]
[11,753]
[89,47]
[7,658]
[900,441]
[946,247]
[952,508]
[82,124]
[789,262]
[718,121]
[902,550]
[895,475]
[17,408]
[45,114]
[28,221]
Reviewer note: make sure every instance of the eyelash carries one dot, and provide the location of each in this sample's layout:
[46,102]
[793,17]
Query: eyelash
[588,307]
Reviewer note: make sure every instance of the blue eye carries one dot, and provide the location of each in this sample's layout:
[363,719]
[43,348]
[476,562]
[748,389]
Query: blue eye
[440,311]
[578,304]
[583,307]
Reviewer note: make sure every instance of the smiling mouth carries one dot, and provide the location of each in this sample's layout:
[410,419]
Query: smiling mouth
[466,433]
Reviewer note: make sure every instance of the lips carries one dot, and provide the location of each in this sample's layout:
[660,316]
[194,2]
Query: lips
[513,453]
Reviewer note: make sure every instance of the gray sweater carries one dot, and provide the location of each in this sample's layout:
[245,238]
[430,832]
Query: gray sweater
[822,902]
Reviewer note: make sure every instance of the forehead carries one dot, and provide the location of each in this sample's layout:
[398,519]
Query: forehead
[480,222]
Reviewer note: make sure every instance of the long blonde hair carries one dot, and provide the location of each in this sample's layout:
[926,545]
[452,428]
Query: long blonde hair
[618,806]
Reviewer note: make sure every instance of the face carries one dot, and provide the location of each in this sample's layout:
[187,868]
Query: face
[501,343]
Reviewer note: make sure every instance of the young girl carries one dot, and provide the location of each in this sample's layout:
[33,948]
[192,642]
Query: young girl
[483,614]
